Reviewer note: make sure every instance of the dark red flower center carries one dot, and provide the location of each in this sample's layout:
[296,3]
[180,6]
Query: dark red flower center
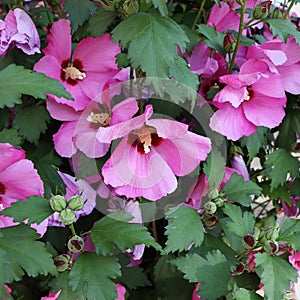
[72,73]
[143,139]
[2,192]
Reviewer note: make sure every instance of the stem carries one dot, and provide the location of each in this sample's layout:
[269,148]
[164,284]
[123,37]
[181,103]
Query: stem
[48,14]
[198,14]
[239,37]
[154,231]
[72,229]
[286,14]
[131,81]
[139,90]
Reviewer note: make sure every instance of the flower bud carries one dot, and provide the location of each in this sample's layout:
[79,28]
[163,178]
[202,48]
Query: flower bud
[213,193]
[76,244]
[272,233]
[229,42]
[130,7]
[210,221]
[219,202]
[62,262]
[261,10]
[75,202]
[58,203]
[271,246]
[67,216]
[210,207]
[248,241]
[240,268]
[276,14]
[109,5]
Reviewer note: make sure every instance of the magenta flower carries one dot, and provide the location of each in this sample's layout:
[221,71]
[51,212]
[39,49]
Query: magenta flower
[248,100]
[121,291]
[52,296]
[150,154]
[79,130]
[18,30]
[85,75]
[286,59]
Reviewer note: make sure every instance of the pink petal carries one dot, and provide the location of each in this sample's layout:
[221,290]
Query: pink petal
[184,154]
[290,78]
[7,222]
[124,110]
[134,174]
[264,111]
[133,208]
[231,122]
[21,180]
[232,95]
[121,292]
[50,66]
[238,81]
[9,155]
[61,112]
[107,134]
[168,128]
[63,139]
[40,228]
[59,40]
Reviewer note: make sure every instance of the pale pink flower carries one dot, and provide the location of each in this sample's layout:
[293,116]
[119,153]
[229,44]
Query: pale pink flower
[286,59]
[238,163]
[248,100]
[18,30]
[150,154]
[294,259]
[52,296]
[121,291]
[79,129]
[91,68]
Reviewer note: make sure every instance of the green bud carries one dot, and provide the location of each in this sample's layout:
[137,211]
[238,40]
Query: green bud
[219,201]
[276,14]
[213,193]
[62,262]
[67,216]
[130,7]
[271,246]
[229,42]
[210,207]
[210,221]
[272,233]
[240,268]
[109,5]
[248,241]
[58,203]
[76,244]
[75,202]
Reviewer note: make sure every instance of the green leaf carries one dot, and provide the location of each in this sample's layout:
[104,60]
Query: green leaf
[91,274]
[100,21]
[61,282]
[113,234]
[239,190]
[182,73]
[214,167]
[36,209]
[240,223]
[288,129]
[151,41]
[276,275]
[214,38]
[161,5]
[283,163]
[132,277]
[184,229]
[16,80]
[245,295]
[290,232]
[11,136]
[32,121]
[79,11]
[23,254]
[284,29]
[255,141]
[213,272]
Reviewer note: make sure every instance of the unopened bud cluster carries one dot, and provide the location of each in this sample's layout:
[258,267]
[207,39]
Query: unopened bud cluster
[66,208]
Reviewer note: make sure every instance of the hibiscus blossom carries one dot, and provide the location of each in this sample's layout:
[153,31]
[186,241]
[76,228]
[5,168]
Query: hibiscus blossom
[248,100]
[18,30]
[79,130]
[150,154]
[85,72]
[18,179]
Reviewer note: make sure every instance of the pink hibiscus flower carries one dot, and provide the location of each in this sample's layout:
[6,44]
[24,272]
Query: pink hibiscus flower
[52,296]
[78,132]
[18,30]
[121,292]
[286,59]
[141,165]
[85,75]
[248,100]
[18,179]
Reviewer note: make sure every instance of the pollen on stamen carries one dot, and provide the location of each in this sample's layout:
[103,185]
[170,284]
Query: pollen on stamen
[102,119]
[74,73]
